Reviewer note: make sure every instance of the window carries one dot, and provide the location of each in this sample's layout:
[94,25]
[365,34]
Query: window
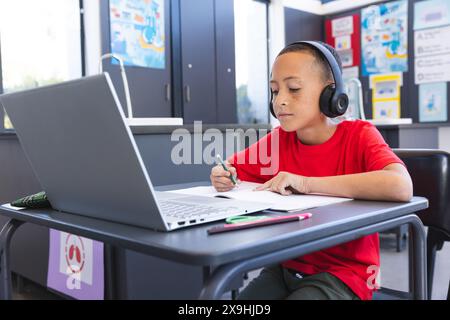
[251,61]
[40,43]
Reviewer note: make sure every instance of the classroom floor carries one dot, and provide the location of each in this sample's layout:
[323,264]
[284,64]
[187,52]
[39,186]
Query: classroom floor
[394,273]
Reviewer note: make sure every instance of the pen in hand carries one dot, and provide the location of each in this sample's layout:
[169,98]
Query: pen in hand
[219,159]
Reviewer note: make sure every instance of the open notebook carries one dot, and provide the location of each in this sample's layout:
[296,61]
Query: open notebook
[244,191]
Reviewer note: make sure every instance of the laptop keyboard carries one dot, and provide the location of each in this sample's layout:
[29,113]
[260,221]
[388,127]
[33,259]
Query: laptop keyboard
[188,211]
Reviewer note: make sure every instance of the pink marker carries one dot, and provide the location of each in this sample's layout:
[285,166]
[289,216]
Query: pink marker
[257,223]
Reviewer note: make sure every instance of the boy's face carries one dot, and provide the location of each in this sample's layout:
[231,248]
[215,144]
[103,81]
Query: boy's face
[296,85]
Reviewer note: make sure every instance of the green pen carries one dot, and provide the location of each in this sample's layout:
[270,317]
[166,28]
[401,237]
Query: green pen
[219,158]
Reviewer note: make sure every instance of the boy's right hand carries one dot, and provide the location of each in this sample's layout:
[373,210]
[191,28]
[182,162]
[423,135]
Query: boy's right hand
[220,178]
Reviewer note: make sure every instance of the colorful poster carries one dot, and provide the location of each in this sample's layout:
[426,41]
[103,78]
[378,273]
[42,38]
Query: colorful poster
[75,266]
[386,95]
[137,32]
[386,109]
[384,38]
[433,102]
[343,42]
[432,55]
[431,13]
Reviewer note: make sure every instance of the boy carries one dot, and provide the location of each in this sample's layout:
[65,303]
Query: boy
[349,159]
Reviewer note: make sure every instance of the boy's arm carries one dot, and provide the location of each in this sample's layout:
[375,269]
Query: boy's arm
[392,183]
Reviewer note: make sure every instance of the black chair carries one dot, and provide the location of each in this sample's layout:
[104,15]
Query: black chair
[430,173]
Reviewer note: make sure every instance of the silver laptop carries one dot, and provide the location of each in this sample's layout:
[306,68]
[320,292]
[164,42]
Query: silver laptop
[87,161]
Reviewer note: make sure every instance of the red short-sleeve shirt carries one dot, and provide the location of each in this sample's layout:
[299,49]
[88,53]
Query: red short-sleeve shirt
[355,147]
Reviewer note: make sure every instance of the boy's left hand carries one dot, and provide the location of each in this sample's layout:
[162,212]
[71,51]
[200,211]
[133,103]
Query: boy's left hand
[285,183]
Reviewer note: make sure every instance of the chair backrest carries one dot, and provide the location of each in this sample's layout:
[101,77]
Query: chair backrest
[430,173]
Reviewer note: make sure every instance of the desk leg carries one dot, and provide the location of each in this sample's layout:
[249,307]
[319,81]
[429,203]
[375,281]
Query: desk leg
[221,277]
[110,272]
[5,240]
[418,261]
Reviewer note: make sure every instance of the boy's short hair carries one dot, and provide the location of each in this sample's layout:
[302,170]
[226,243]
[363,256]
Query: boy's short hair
[327,74]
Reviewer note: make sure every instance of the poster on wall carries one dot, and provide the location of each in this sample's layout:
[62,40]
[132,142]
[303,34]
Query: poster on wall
[384,38]
[432,55]
[386,95]
[431,13]
[137,32]
[433,102]
[343,34]
[342,26]
[75,266]
[386,109]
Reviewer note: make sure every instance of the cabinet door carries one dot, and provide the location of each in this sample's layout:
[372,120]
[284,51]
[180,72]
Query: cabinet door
[198,60]
[149,87]
[226,75]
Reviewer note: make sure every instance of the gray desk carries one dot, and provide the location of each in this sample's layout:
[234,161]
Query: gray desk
[232,254]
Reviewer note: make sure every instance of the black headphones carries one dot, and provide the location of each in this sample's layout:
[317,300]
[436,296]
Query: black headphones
[333,99]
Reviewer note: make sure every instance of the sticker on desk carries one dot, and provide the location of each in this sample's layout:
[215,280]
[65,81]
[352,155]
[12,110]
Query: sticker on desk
[75,266]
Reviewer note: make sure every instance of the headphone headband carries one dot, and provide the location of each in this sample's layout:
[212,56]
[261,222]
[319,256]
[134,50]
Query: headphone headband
[331,60]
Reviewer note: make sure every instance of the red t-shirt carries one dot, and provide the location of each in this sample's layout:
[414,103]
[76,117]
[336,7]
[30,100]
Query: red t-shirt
[355,147]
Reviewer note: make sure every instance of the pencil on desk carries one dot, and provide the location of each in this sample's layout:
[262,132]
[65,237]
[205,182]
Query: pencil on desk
[258,223]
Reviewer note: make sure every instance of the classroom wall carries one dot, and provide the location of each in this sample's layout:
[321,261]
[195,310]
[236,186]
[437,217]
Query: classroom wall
[302,25]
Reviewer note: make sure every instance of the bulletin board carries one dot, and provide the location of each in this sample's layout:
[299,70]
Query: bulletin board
[344,34]
[412,92]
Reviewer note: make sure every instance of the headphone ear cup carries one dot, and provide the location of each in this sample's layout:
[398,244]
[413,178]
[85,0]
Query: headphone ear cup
[325,101]
[341,104]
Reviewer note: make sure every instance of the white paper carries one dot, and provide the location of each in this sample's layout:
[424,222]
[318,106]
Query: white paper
[432,42]
[346,57]
[342,26]
[245,192]
[84,266]
[349,73]
[431,13]
[432,55]
[432,69]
